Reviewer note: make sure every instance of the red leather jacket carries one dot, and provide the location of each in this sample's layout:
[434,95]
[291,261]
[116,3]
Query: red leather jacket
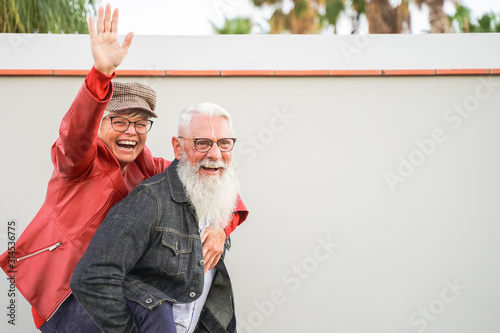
[86,182]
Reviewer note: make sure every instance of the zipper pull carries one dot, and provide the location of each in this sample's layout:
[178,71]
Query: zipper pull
[55,246]
[50,248]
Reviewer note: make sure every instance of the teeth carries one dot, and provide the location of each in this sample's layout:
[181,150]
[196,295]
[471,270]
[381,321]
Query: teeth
[213,164]
[129,143]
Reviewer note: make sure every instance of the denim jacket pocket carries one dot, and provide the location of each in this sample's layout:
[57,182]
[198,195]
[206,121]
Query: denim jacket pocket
[142,293]
[174,256]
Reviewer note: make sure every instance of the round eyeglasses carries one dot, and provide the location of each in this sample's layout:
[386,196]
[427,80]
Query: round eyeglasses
[203,145]
[121,124]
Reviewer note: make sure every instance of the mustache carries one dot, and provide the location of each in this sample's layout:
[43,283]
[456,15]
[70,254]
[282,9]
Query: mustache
[213,197]
[214,164]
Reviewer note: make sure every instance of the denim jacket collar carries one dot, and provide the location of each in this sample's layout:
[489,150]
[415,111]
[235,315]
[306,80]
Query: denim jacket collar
[176,187]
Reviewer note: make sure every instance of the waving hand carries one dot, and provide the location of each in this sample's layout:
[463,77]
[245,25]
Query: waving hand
[106,50]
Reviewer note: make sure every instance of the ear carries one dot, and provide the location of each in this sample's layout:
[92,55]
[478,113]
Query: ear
[176,144]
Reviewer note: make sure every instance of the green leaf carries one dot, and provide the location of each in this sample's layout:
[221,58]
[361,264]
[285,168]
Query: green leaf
[238,25]
[56,16]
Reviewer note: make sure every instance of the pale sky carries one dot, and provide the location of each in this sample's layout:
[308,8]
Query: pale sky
[193,17]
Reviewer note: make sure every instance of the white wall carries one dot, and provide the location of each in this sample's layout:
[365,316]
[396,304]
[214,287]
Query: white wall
[247,52]
[313,158]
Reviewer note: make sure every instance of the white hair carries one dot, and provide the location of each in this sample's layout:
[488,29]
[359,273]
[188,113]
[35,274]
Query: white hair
[209,109]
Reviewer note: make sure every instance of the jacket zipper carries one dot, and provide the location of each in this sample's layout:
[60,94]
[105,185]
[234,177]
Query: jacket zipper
[50,248]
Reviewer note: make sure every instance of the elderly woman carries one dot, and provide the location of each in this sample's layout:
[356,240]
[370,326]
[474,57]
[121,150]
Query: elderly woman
[99,157]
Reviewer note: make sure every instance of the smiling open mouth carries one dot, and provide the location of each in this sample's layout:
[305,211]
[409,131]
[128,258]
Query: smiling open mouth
[209,168]
[127,145]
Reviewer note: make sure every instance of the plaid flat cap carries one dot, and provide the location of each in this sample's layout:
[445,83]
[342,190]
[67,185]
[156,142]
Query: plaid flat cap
[132,95]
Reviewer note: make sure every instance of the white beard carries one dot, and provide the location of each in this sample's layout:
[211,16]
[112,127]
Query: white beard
[213,197]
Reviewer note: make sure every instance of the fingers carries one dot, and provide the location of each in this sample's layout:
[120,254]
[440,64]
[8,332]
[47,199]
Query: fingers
[208,263]
[211,261]
[114,23]
[205,250]
[106,22]
[207,256]
[128,41]
[107,18]
[91,27]
[100,17]
[213,246]
[213,264]
[206,233]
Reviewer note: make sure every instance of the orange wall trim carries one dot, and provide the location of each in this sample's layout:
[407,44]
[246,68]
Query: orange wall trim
[409,72]
[193,73]
[70,72]
[124,72]
[301,73]
[462,71]
[368,72]
[247,73]
[22,72]
[254,73]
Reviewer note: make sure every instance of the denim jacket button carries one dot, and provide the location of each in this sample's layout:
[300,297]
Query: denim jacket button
[202,262]
[199,231]
[149,300]
[192,294]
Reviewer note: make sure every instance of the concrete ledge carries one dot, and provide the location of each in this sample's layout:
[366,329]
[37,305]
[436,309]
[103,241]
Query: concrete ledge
[258,73]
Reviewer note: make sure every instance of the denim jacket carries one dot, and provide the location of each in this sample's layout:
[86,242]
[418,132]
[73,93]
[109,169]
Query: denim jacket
[148,250]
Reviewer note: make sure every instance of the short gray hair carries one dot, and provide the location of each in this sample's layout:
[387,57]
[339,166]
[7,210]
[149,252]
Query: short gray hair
[209,109]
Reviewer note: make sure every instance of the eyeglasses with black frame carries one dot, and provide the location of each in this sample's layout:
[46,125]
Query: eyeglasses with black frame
[121,124]
[203,145]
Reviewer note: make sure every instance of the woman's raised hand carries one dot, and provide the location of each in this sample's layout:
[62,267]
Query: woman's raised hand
[106,50]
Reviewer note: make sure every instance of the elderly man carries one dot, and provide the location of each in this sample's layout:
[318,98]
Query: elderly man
[99,157]
[147,254]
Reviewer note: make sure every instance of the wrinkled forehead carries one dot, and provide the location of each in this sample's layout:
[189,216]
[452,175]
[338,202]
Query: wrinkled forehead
[205,126]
